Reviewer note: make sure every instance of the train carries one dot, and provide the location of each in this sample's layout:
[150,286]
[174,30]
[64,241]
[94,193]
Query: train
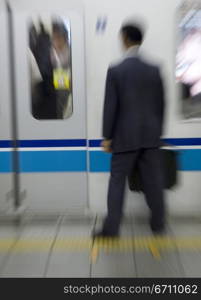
[51,161]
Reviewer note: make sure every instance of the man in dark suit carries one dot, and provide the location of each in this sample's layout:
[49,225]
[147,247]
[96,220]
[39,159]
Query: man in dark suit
[132,126]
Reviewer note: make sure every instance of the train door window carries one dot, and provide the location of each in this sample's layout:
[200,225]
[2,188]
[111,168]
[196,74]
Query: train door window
[50,68]
[188,59]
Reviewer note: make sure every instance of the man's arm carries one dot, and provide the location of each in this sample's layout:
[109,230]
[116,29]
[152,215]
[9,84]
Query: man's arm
[161,100]
[110,106]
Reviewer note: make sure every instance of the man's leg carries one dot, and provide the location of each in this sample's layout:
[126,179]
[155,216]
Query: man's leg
[121,166]
[152,178]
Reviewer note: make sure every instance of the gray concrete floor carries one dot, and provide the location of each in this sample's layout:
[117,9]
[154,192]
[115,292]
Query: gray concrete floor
[63,248]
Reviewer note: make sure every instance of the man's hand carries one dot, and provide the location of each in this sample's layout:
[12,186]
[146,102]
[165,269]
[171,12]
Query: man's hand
[106,145]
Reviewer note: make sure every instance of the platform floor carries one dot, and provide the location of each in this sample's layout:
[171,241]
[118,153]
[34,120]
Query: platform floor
[63,248]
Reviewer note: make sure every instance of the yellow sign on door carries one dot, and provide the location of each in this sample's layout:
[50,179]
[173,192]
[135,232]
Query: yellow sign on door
[61,79]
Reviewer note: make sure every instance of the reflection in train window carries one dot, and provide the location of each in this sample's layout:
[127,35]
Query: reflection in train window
[51,68]
[188,59]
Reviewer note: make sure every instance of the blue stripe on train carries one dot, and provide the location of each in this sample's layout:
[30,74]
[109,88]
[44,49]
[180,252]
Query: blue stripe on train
[5,162]
[53,161]
[52,143]
[183,141]
[188,160]
[44,143]
[95,143]
[92,143]
[5,144]
[170,141]
[99,161]
[75,161]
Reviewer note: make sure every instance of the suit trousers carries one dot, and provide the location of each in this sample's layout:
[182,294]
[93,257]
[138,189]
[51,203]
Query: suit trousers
[151,175]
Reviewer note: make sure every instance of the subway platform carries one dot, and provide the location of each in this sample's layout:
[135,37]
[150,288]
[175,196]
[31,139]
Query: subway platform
[62,247]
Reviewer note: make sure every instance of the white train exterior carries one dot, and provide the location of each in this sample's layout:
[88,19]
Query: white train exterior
[57,166]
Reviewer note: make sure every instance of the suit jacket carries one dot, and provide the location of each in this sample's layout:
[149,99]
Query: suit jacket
[134,105]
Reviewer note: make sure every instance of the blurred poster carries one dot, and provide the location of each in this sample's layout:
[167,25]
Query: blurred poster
[188,59]
[50,68]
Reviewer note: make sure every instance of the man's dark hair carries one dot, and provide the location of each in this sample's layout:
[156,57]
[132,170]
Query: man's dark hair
[59,28]
[133,33]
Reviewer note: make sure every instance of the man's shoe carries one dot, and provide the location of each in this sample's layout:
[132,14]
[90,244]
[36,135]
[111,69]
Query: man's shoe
[104,234]
[160,231]
[157,227]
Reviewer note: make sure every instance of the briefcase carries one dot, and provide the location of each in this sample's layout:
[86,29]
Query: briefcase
[169,167]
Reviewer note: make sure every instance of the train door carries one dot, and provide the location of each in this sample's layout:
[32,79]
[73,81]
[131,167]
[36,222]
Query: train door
[6,159]
[48,48]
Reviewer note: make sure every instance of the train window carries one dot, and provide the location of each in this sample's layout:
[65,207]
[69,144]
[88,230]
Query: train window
[50,68]
[188,59]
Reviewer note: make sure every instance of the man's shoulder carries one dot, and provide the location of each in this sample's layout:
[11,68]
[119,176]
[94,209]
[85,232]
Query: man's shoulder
[149,63]
[113,69]
[134,62]
[135,59]
[120,65]
[115,65]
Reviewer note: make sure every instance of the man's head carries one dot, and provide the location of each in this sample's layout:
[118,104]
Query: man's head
[59,36]
[132,35]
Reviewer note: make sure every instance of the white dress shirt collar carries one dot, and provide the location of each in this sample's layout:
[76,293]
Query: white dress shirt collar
[131,51]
